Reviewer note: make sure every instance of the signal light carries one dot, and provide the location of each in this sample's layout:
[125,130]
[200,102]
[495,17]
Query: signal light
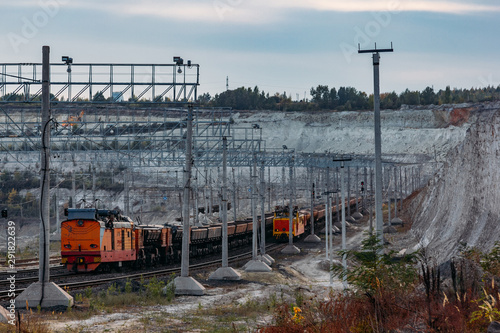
[362,186]
[4,213]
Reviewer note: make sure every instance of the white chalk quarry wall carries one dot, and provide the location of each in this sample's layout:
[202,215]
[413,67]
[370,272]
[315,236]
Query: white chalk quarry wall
[405,133]
[462,203]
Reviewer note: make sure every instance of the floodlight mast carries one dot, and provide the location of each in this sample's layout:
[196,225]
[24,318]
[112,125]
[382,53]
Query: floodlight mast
[378,138]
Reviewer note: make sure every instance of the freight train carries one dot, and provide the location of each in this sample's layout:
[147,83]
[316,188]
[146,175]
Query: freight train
[99,240]
[300,219]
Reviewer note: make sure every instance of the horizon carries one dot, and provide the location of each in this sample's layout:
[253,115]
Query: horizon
[279,46]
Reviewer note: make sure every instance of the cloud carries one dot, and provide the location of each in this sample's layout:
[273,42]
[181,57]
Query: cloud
[451,7]
[222,11]
[256,11]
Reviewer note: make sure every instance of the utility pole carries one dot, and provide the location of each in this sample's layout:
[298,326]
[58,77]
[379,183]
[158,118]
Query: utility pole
[184,284]
[378,138]
[44,293]
[290,248]
[185,198]
[225,272]
[328,212]
[253,177]
[73,189]
[234,197]
[262,210]
[344,256]
[44,271]
[257,264]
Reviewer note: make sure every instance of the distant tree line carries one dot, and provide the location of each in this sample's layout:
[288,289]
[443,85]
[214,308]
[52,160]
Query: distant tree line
[323,98]
[345,98]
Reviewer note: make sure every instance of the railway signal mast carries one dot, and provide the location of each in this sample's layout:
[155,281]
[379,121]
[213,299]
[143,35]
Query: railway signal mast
[378,138]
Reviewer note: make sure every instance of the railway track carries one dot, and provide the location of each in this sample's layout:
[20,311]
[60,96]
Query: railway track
[29,273]
[28,262]
[135,276]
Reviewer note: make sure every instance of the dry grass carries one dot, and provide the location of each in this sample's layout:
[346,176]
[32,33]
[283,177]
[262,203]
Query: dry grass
[29,322]
[467,306]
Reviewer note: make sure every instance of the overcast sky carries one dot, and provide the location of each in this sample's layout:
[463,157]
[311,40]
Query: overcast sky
[278,45]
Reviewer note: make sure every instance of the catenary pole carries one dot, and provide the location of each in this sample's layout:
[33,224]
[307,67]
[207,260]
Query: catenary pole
[187,188]
[44,272]
[378,139]
[225,261]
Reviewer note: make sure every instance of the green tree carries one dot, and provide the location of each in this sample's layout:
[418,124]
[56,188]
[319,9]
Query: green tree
[204,98]
[390,101]
[409,97]
[372,271]
[428,96]
[321,96]
[13,197]
[447,95]
[99,97]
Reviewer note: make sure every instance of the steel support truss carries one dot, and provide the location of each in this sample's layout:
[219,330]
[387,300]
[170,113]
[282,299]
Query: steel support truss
[145,138]
[101,83]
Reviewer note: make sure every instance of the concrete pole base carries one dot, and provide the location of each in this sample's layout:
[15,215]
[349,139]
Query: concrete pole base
[350,219]
[271,259]
[264,260]
[290,249]
[188,286]
[225,273]
[312,239]
[357,215]
[53,295]
[257,266]
[396,221]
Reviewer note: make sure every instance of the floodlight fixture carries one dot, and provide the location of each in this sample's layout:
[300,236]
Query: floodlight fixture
[67,60]
[178,61]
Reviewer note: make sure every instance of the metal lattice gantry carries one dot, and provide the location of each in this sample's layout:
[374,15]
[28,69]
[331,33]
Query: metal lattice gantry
[132,138]
[100,82]
[144,138]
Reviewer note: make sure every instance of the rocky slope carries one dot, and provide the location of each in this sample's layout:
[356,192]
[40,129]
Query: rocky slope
[461,203]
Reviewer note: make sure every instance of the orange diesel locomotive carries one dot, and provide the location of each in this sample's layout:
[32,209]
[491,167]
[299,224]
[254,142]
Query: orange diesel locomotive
[281,222]
[92,238]
[301,219]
